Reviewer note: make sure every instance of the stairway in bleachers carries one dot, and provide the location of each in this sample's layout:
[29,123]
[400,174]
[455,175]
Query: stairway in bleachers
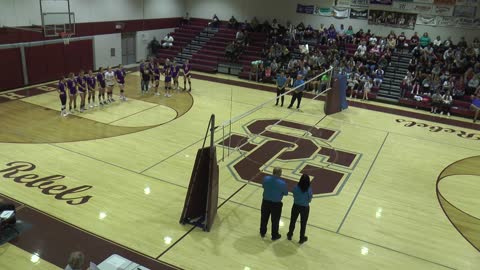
[394,74]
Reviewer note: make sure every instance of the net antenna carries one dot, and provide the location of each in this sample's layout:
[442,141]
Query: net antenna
[57,19]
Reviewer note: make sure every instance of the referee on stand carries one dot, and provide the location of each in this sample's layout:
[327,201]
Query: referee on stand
[298,93]
[274,188]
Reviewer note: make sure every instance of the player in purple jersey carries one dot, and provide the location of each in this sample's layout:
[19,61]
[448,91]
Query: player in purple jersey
[72,89]
[168,78]
[186,76]
[175,70]
[151,66]
[62,94]
[102,86]
[156,78]
[120,75]
[82,89]
[92,85]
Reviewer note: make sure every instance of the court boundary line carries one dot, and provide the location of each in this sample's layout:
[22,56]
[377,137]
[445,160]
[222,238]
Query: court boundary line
[88,232]
[362,184]
[354,238]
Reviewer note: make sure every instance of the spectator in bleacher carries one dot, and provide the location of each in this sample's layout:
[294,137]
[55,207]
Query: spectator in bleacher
[391,35]
[437,43]
[300,31]
[424,40]
[448,43]
[391,43]
[459,87]
[308,32]
[378,77]
[240,36]
[255,24]
[76,261]
[360,37]
[416,87]
[476,46]
[349,35]
[437,102]
[233,23]
[266,27]
[275,25]
[185,19]
[215,22]
[274,67]
[231,51]
[462,43]
[426,84]
[367,87]
[167,41]
[332,34]
[447,103]
[472,85]
[414,40]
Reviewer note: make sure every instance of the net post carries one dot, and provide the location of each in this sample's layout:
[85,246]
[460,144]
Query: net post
[212,134]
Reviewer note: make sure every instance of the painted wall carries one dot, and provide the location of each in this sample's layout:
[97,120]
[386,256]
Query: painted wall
[102,44]
[284,10]
[27,12]
[144,37]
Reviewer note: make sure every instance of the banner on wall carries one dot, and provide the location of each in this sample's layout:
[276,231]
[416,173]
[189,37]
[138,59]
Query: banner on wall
[427,20]
[343,3]
[327,12]
[359,3]
[423,1]
[467,22]
[305,9]
[413,7]
[392,18]
[359,13]
[446,21]
[403,1]
[442,10]
[444,2]
[472,3]
[381,2]
[465,11]
[341,13]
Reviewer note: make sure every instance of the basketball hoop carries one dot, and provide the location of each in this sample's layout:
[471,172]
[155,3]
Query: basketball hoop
[66,37]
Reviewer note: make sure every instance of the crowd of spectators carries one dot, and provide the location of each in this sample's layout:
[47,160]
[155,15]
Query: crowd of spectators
[441,71]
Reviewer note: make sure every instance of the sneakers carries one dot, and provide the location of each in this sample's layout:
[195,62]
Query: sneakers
[276,237]
[448,114]
[289,236]
[303,240]
[157,94]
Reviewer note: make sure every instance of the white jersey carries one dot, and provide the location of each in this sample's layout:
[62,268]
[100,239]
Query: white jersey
[109,78]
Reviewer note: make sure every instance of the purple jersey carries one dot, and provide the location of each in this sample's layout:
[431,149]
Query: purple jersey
[174,70]
[61,88]
[71,86]
[81,84]
[91,81]
[186,69]
[156,73]
[101,79]
[120,75]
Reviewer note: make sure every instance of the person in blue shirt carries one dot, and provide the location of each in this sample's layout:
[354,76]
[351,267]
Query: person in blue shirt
[302,196]
[281,84]
[299,86]
[274,188]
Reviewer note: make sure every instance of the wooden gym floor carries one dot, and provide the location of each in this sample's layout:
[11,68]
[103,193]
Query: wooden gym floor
[394,187]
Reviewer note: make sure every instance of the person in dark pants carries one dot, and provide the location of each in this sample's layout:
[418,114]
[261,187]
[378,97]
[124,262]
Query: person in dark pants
[281,84]
[145,74]
[299,86]
[302,196]
[274,188]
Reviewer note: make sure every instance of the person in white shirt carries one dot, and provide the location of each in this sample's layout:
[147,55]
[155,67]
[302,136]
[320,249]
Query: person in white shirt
[167,41]
[437,42]
[447,103]
[362,49]
[110,82]
[366,88]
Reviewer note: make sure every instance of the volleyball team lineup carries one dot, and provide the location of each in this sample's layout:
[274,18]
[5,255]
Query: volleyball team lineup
[83,86]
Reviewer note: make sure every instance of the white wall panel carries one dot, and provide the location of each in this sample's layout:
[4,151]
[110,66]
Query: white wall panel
[102,46]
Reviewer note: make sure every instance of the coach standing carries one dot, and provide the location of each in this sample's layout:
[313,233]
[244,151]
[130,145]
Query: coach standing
[274,188]
[299,86]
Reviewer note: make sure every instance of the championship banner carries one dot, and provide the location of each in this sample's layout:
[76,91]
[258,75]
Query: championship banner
[444,2]
[327,12]
[359,3]
[413,7]
[343,3]
[446,21]
[427,20]
[467,22]
[380,2]
[306,9]
[341,13]
[442,10]
[359,13]
[465,11]
[471,3]
[392,18]
[403,1]
[423,1]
